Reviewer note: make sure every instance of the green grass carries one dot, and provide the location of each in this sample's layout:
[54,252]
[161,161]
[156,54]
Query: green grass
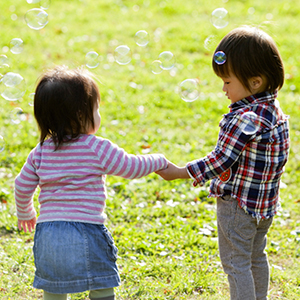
[160,228]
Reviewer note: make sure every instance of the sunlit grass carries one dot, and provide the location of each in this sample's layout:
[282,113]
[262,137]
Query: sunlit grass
[165,231]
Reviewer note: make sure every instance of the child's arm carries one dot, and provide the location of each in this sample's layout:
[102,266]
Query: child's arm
[25,185]
[231,143]
[114,160]
[173,172]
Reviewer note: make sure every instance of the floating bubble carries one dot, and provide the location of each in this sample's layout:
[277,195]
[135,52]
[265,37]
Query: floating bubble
[122,55]
[16,46]
[209,42]
[189,90]
[17,115]
[167,59]
[220,58]
[4,65]
[142,38]
[3,59]
[2,143]
[45,4]
[220,18]
[92,59]
[31,99]
[156,67]
[250,122]
[12,86]
[3,70]
[36,18]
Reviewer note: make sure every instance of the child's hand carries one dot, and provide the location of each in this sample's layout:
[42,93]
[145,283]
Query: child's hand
[30,224]
[173,172]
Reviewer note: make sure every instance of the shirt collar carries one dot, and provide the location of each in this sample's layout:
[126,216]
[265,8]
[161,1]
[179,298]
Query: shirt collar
[253,99]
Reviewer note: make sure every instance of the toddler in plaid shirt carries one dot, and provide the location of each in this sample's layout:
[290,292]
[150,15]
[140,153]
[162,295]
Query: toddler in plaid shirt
[246,166]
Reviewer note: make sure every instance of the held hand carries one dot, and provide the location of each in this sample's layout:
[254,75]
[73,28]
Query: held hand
[30,224]
[173,172]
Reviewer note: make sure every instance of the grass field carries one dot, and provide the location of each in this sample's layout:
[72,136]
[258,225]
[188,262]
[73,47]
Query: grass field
[165,231]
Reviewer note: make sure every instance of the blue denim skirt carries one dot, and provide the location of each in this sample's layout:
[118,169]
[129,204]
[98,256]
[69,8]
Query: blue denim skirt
[73,257]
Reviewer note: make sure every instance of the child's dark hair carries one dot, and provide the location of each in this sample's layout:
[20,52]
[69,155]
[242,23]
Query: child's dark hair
[251,52]
[64,102]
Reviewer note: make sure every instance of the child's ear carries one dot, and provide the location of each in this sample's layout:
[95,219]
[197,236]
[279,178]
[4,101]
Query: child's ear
[256,83]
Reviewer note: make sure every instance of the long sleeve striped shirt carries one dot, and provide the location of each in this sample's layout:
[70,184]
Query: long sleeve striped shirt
[72,178]
[247,166]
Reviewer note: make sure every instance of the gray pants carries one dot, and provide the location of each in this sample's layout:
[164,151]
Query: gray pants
[241,244]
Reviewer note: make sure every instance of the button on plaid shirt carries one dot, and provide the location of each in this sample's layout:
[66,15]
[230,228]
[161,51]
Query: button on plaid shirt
[247,166]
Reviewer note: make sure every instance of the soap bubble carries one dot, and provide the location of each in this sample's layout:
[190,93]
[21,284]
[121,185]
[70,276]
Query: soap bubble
[156,67]
[36,18]
[122,55]
[141,38]
[250,122]
[17,115]
[220,58]
[220,18]
[31,99]
[209,42]
[16,46]
[2,143]
[167,59]
[92,59]
[12,86]
[45,4]
[3,59]
[189,90]
[3,70]
[4,65]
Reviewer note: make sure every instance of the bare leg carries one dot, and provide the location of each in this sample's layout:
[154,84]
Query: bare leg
[49,296]
[102,294]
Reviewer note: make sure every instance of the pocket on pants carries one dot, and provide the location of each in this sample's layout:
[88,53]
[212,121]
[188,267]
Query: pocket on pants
[112,250]
[244,224]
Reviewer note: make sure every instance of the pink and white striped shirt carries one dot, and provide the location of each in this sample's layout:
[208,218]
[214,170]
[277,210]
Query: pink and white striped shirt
[72,178]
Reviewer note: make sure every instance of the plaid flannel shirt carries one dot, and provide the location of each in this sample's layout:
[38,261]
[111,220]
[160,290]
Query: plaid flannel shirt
[244,166]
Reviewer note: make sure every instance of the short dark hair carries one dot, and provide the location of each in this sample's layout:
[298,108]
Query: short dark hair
[64,102]
[250,52]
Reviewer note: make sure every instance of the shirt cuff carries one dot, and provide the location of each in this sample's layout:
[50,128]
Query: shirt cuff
[26,216]
[190,174]
[193,169]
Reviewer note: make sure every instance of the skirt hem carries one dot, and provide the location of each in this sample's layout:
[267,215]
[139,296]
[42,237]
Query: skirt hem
[76,286]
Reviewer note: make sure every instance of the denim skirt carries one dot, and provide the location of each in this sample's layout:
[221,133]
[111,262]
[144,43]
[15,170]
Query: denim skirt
[73,257]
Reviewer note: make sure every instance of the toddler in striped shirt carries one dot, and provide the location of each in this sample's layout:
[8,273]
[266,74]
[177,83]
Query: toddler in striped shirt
[73,250]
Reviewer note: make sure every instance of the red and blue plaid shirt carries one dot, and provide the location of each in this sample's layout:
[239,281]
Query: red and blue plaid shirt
[248,167]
